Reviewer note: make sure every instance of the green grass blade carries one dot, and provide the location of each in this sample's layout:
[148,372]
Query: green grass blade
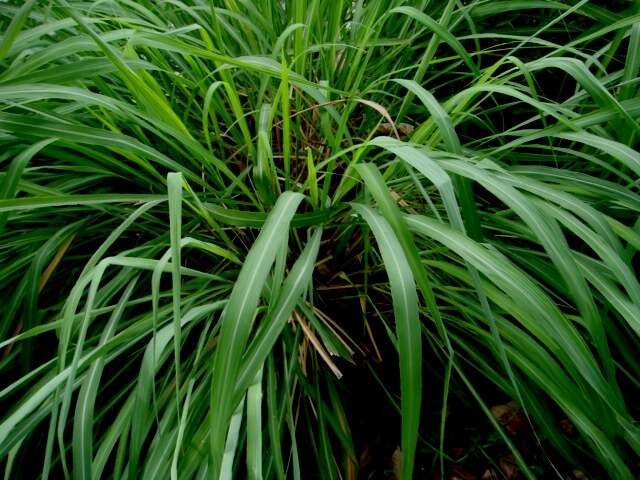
[238,317]
[405,307]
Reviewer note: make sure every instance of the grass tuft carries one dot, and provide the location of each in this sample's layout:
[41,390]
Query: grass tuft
[312,239]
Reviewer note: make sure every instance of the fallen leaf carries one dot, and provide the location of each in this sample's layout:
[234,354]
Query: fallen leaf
[458,472]
[396,463]
[510,416]
[567,426]
[457,452]
[489,474]
[509,467]
[366,457]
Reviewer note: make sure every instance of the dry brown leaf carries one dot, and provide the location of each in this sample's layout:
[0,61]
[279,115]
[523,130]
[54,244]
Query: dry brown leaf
[458,472]
[366,457]
[403,128]
[396,463]
[396,196]
[510,416]
[509,467]
[382,111]
[317,345]
[489,474]
[44,278]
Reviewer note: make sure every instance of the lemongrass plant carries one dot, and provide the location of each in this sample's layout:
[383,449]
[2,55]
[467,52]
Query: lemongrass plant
[211,210]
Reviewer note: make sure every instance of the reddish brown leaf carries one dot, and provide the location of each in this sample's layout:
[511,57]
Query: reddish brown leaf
[458,472]
[510,415]
[567,427]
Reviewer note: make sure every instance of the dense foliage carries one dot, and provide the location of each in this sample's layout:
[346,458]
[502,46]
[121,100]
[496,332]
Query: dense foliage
[245,237]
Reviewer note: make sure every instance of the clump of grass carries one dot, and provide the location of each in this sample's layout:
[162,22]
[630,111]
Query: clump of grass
[211,210]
